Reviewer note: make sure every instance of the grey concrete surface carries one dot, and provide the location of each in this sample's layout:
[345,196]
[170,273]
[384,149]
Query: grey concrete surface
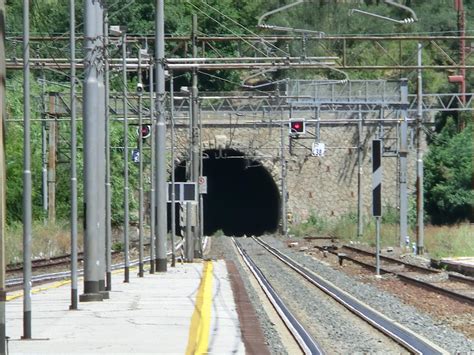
[148,315]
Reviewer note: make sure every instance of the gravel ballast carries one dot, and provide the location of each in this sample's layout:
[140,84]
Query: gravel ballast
[383,302]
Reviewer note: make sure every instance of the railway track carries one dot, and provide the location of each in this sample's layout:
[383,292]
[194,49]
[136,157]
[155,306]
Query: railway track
[454,286]
[306,342]
[406,338]
[60,262]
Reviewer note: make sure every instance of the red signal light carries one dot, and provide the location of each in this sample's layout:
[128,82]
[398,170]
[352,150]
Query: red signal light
[297,126]
[145,131]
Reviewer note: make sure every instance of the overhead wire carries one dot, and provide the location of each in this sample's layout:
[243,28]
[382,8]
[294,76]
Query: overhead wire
[243,27]
[225,27]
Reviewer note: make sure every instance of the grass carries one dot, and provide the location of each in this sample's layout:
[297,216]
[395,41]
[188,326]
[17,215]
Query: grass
[439,241]
[47,240]
[455,241]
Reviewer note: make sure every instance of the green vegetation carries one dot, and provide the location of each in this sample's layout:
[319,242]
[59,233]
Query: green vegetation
[448,177]
[448,163]
[453,241]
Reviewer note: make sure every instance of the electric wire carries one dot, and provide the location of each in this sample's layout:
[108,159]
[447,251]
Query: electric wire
[228,29]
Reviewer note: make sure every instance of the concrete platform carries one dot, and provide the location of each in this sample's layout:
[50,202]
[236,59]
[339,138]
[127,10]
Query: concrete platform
[463,265]
[189,309]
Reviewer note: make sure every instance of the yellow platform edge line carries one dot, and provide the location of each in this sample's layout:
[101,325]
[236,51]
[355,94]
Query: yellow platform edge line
[198,340]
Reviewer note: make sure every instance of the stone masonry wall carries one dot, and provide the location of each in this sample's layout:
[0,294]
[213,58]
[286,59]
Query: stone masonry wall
[322,186]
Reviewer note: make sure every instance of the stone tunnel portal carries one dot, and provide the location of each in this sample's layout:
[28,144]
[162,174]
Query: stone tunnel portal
[242,197]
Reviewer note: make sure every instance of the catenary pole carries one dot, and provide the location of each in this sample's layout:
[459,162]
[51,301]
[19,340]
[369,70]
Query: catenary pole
[72,45]
[360,148]
[195,159]
[125,162]
[173,192]
[101,200]
[188,235]
[403,155]
[3,293]
[26,175]
[419,160]
[152,171]
[284,214]
[44,170]
[108,185]
[160,139]
[90,152]
[201,173]
[140,167]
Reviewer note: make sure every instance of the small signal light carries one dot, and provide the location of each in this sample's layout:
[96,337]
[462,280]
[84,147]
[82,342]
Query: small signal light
[297,127]
[145,131]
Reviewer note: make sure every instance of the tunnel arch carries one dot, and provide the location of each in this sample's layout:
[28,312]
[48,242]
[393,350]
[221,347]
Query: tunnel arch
[242,198]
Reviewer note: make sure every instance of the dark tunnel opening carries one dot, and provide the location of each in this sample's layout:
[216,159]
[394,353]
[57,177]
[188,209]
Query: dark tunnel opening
[242,197]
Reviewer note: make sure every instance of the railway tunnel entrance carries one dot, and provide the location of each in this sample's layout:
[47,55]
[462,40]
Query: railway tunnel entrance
[242,196]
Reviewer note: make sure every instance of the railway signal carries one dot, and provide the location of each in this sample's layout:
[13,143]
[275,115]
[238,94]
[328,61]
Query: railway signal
[297,126]
[144,131]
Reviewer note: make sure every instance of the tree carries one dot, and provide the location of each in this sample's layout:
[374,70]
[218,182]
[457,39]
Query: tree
[449,196]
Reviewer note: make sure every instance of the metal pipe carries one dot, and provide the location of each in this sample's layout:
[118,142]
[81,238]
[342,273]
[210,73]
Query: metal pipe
[419,161]
[3,293]
[44,170]
[160,139]
[18,65]
[108,185]
[72,45]
[241,59]
[188,236]
[403,153]
[126,241]
[91,147]
[27,213]
[173,193]
[377,245]
[195,141]
[152,173]
[140,171]
[266,38]
[101,198]
[201,173]
[360,206]
[284,215]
